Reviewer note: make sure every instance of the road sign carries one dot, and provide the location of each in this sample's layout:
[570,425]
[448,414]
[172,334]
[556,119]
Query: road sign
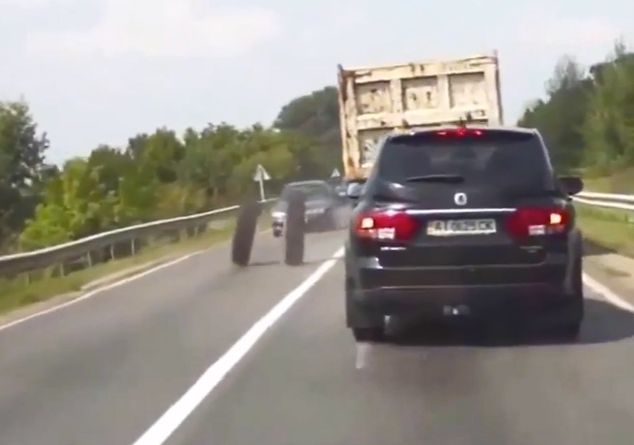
[335,173]
[260,176]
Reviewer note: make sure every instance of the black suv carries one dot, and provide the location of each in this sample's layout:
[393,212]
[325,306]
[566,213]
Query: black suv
[469,222]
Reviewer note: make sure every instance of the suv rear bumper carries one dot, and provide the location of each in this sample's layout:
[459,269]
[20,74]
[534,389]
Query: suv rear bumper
[480,300]
[544,290]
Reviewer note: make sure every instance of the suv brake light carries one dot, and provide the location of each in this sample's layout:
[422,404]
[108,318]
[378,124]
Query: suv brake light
[460,132]
[389,225]
[535,221]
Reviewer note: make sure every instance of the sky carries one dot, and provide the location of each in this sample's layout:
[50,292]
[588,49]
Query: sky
[100,71]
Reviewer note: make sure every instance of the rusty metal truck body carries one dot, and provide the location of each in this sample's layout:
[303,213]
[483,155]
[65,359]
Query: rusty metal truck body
[375,101]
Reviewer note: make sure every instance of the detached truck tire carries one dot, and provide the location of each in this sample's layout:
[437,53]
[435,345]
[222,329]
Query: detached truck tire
[295,229]
[244,233]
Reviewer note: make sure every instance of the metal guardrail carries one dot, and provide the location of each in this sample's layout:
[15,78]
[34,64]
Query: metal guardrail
[43,258]
[608,200]
[49,256]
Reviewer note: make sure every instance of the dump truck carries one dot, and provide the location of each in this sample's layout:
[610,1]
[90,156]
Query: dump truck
[377,100]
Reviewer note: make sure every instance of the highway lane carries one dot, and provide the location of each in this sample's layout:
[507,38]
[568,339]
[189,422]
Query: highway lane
[306,382]
[102,370]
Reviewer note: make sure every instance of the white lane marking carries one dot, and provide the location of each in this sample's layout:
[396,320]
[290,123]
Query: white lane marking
[363,349]
[607,293]
[165,426]
[97,291]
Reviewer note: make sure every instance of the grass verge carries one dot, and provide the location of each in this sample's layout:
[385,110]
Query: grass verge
[18,292]
[609,228]
[621,182]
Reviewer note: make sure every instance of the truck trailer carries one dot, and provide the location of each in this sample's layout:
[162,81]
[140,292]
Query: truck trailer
[377,100]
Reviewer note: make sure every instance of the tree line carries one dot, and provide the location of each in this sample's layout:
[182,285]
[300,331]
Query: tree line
[586,118]
[159,175]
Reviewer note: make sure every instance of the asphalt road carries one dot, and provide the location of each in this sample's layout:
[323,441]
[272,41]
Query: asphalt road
[101,371]
[104,370]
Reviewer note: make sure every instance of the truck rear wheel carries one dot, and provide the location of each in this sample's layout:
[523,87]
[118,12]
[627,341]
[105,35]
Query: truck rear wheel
[244,233]
[295,229]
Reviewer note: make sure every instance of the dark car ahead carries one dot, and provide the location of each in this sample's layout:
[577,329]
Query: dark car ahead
[466,222]
[322,204]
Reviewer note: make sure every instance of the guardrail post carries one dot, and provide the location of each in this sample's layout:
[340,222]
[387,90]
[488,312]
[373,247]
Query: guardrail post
[133,246]
[112,257]
[89,258]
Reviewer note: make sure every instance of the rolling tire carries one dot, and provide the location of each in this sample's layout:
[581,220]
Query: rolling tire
[244,233]
[295,229]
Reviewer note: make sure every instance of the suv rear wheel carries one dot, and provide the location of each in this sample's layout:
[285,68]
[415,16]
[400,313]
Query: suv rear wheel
[372,335]
[570,331]
[366,325]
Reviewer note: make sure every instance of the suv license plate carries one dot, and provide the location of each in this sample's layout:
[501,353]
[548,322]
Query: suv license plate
[454,227]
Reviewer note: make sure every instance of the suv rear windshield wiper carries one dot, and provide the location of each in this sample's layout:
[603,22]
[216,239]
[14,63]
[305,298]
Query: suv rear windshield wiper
[448,178]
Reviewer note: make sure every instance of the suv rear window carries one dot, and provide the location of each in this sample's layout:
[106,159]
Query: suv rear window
[493,157]
[311,191]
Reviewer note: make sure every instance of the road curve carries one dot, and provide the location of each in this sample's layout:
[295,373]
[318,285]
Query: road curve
[105,370]
[102,370]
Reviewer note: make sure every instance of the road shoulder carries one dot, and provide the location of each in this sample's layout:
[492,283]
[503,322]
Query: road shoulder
[614,271]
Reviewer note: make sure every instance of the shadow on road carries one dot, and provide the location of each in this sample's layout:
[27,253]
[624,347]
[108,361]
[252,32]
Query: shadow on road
[265,263]
[603,323]
[278,262]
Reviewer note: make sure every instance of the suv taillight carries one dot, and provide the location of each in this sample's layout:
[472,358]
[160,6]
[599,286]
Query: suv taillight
[536,221]
[388,225]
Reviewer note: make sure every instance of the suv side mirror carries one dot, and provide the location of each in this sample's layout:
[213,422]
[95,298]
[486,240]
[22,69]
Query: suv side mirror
[354,188]
[571,184]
